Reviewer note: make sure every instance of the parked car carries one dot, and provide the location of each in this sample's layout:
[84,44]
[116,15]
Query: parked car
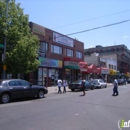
[18,88]
[99,83]
[121,81]
[77,85]
[128,80]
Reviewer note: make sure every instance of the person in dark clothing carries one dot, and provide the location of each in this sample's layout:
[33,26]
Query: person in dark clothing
[45,82]
[115,89]
[83,87]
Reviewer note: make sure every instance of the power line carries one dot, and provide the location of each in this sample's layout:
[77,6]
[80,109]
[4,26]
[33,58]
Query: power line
[99,27]
[92,19]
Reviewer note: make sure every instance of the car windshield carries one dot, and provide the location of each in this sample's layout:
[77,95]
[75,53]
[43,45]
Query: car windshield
[77,81]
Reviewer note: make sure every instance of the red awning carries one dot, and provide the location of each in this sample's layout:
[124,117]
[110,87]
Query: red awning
[98,70]
[92,69]
[83,66]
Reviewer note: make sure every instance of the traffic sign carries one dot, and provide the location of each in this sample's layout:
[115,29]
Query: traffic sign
[1,45]
[4,67]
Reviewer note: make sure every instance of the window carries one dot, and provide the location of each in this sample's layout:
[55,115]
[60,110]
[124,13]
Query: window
[14,83]
[24,83]
[56,49]
[69,52]
[78,54]
[43,46]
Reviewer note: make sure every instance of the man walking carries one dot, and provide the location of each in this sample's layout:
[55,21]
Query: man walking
[59,86]
[83,87]
[115,89]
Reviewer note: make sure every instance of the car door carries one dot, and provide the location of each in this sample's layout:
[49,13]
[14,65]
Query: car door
[28,89]
[88,85]
[102,83]
[16,89]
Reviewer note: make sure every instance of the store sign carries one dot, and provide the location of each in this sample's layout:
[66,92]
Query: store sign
[105,72]
[62,39]
[70,63]
[38,29]
[50,62]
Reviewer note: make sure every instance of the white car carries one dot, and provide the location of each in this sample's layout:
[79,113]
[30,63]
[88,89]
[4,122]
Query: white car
[99,83]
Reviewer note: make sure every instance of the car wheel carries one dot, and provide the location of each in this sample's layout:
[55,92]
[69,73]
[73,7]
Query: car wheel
[40,94]
[5,98]
[73,90]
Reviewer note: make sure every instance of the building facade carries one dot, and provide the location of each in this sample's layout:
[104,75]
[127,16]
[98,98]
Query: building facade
[59,56]
[115,58]
[117,53]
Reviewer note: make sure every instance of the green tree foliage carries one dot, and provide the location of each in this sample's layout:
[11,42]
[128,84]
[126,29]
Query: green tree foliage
[22,46]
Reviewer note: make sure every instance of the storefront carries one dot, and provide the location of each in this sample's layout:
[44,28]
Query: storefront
[93,72]
[50,68]
[71,69]
[83,66]
[105,72]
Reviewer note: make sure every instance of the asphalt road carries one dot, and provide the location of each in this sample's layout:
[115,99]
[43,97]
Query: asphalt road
[98,110]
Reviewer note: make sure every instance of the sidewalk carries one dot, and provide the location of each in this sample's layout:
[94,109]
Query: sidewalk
[54,89]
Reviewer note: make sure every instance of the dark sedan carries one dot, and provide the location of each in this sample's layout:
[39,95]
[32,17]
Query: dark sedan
[77,85]
[18,88]
[121,81]
[128,80]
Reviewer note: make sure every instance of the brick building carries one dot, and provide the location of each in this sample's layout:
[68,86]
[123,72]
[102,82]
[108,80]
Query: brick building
[59,56]
[118,56]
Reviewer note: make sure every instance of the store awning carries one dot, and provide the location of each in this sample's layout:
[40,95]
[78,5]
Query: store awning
[92,69]
[113,72]
[83,66]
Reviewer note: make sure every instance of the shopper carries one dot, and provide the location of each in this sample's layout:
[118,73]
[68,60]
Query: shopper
[115,88]
[59,85]
[64,86]
[83,86]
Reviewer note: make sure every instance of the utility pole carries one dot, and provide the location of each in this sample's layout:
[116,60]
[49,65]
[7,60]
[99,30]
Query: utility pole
[5,40]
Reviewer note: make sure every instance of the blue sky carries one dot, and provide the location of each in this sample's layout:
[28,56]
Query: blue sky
[70,16]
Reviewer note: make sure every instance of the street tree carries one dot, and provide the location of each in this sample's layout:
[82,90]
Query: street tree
[22,46]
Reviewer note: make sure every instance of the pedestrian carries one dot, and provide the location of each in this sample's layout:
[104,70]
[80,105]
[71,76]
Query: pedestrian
[59,85]
[64,86]
[115,88]
[45,82]
[83,86]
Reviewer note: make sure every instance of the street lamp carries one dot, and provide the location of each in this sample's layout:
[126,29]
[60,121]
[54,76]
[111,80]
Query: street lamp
[5,40]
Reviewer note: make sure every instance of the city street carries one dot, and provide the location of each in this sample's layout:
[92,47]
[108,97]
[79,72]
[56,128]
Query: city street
[97,110]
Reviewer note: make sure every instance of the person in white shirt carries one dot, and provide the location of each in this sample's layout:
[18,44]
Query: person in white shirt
[115,88]
[59,85]
[64,86]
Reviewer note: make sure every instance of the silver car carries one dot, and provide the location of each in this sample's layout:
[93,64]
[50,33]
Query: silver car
[99,83]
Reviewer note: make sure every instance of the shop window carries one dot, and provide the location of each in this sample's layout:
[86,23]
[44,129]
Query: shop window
[78,54]
[69,52]
[43,46]
[56,49]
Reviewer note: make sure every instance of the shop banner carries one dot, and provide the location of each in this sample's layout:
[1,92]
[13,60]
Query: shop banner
[50,62]
[105,72]
[63,39]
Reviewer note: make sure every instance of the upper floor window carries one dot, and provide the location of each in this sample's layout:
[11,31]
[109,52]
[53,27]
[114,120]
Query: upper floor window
[43,46]
[69,52]
[56,49]
[78,54]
